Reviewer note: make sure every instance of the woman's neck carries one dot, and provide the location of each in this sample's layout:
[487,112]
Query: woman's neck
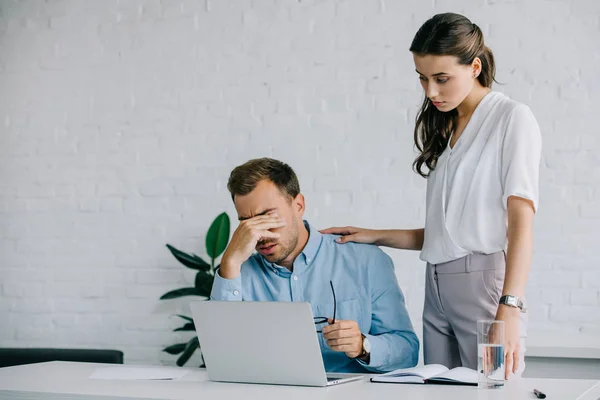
[469,104]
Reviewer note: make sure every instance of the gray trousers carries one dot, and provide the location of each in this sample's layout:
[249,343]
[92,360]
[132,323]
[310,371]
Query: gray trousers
[457,294]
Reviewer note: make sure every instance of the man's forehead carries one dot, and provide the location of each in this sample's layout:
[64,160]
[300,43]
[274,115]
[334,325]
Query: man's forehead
[242,215]
[264,198]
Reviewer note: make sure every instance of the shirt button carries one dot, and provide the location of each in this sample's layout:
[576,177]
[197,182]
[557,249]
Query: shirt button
[236,292]
[295,278]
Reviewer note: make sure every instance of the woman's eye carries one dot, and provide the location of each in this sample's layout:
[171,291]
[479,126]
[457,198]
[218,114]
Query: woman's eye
[422,78]
[442,80]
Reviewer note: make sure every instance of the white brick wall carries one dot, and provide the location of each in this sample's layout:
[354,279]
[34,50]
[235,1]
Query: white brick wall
[120,121]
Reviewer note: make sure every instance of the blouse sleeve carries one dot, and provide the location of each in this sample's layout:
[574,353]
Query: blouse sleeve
[520,157]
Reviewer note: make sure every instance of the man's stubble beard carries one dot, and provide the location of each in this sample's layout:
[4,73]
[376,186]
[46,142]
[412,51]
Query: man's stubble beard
[288,248]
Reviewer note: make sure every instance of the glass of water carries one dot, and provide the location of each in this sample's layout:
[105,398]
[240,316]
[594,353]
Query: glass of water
[490,354]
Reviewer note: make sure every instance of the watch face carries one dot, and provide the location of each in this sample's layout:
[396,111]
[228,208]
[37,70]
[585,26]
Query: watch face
[511,301]
[366,345]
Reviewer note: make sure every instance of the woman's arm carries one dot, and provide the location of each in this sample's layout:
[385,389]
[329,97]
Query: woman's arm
[518,262]
[520,245]
[407,239]
[404,239]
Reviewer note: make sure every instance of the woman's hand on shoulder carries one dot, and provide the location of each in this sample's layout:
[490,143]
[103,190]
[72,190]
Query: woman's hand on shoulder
[353,234]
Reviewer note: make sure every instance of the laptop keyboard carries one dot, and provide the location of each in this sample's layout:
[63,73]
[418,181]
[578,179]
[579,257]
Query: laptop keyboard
[28,395]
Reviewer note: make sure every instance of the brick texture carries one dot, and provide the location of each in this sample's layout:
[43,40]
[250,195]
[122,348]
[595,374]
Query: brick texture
[120,121]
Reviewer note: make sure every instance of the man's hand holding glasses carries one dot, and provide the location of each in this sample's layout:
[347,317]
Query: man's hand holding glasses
[244,241]
[344,336]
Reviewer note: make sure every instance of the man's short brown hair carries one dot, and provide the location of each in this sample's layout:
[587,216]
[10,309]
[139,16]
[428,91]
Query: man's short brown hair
[244,178]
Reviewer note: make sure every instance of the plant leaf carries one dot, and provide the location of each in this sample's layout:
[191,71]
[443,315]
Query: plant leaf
[185,317]
[189,260]
[204,283]
[187,327]
[190,348]
[217,236]
[175,348]
[188,291]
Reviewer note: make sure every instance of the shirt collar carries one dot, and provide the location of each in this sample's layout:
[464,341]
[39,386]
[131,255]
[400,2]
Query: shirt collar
[305,258]
[313,243]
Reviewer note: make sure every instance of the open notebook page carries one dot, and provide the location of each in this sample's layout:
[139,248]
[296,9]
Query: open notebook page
[458,374]
[415,374]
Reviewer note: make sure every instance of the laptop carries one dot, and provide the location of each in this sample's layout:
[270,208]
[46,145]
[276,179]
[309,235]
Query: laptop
[262,342]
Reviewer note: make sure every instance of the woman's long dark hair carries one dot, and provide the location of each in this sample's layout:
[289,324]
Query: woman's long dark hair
[448,35]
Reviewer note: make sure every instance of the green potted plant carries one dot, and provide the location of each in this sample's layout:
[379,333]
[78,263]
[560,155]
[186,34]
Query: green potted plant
[217,238]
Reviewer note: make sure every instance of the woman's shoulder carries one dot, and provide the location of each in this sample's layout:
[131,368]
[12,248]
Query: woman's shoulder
[517,123]
[511,109]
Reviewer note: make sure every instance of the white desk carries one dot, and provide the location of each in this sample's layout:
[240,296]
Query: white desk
[72,378]
[554,355]
[561,345]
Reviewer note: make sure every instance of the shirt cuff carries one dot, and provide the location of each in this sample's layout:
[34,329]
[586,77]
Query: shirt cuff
[226,289]
[378,354]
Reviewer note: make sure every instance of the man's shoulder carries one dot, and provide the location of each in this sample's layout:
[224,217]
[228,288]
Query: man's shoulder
[353,249]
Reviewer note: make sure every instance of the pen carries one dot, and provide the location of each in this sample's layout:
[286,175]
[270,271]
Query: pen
[539,394]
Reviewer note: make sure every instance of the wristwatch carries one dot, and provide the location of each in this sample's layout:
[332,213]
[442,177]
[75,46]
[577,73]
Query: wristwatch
[512,301]
[366,348]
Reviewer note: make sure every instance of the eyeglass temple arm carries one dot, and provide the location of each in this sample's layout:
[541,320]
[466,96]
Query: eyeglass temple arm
[334,302]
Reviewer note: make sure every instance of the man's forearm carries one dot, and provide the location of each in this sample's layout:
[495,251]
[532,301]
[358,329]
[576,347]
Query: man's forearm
[229,270]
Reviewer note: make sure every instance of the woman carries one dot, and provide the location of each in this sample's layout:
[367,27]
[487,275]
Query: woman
[480,152]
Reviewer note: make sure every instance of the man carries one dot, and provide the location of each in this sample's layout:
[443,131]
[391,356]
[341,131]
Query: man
[371,330]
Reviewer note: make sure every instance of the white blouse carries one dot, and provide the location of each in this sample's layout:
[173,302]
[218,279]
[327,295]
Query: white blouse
[496,156]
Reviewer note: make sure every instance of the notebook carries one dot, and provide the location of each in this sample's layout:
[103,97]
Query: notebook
[432,374]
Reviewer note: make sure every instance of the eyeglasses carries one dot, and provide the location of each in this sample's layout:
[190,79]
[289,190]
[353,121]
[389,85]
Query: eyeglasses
[322,320]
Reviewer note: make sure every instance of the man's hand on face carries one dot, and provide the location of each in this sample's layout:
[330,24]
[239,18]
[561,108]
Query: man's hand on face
[344,336]
[244,241]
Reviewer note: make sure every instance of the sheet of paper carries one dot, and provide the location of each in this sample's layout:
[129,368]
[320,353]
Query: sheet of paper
[138,373]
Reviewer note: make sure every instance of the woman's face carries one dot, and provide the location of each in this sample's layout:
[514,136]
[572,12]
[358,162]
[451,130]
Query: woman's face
[446,82]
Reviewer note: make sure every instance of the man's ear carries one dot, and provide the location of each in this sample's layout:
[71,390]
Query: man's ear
[298,204]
